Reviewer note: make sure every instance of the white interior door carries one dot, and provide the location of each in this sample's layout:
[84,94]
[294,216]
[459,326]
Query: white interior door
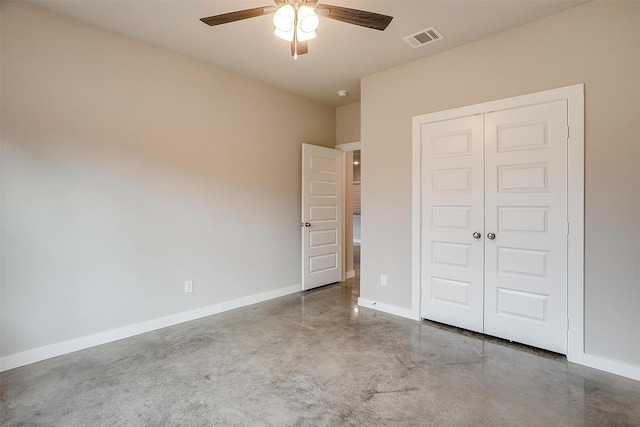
[452,211]
[526,212]
[322,175]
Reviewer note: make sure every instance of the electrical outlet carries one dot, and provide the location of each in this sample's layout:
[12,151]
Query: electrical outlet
[383,280]
[188,286]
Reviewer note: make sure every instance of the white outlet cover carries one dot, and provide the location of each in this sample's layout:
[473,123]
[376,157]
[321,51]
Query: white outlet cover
[383,280]
[188,286]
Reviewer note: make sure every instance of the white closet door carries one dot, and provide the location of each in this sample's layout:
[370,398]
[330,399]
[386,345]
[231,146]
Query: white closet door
[526,209]
[452,210]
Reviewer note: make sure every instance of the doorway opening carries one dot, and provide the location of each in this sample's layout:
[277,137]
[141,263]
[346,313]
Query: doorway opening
[356,222]
[352,217]
[356,212]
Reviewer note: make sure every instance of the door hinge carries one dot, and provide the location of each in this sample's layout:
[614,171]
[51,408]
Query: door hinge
[567,228]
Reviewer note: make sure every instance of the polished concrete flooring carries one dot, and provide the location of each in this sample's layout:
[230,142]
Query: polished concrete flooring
[314,359]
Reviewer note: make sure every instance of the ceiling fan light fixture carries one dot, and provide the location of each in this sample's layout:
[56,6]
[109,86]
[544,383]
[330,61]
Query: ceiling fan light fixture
[284,18]
[288,35]
[303,21]
[303,37]
[307,20]
[307,23]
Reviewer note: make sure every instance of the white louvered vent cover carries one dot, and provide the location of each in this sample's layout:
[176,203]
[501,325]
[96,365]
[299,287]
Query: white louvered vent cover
[423,37]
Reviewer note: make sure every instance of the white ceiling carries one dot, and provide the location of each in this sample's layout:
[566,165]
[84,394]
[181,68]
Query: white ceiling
[337,58]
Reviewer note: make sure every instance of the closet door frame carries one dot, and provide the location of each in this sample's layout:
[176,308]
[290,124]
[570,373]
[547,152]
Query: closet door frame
[574,95]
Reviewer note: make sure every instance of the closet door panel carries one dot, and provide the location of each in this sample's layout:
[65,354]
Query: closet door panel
[526,210]
[452,210]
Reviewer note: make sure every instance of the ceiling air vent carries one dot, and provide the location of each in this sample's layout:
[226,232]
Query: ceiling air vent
[423,37]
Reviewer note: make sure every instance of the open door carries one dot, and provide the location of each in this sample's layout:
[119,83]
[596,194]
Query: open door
[322,175]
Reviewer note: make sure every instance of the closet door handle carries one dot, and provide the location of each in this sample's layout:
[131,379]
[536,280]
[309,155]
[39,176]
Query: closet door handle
[477,235]
[491,236]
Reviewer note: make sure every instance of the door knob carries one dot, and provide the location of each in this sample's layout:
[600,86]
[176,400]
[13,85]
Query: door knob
[477,235]
[491,236]
[306,224]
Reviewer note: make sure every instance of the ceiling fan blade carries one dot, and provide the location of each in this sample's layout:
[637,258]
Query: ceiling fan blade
[355,16]
[303,47]
[238,16]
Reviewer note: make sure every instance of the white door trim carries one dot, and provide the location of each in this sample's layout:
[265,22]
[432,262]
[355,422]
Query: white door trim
[575,258]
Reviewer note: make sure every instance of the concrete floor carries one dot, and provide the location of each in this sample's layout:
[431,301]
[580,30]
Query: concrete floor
[314,359]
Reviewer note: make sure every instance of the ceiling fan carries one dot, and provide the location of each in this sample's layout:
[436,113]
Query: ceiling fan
[297,20]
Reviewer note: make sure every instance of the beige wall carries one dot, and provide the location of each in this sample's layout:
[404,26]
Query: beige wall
[558,51]
[127,170]
[348,123]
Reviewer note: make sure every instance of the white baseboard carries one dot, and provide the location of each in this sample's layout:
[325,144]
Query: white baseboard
[386,308]
[611,366]
[350,274]
[65,347]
